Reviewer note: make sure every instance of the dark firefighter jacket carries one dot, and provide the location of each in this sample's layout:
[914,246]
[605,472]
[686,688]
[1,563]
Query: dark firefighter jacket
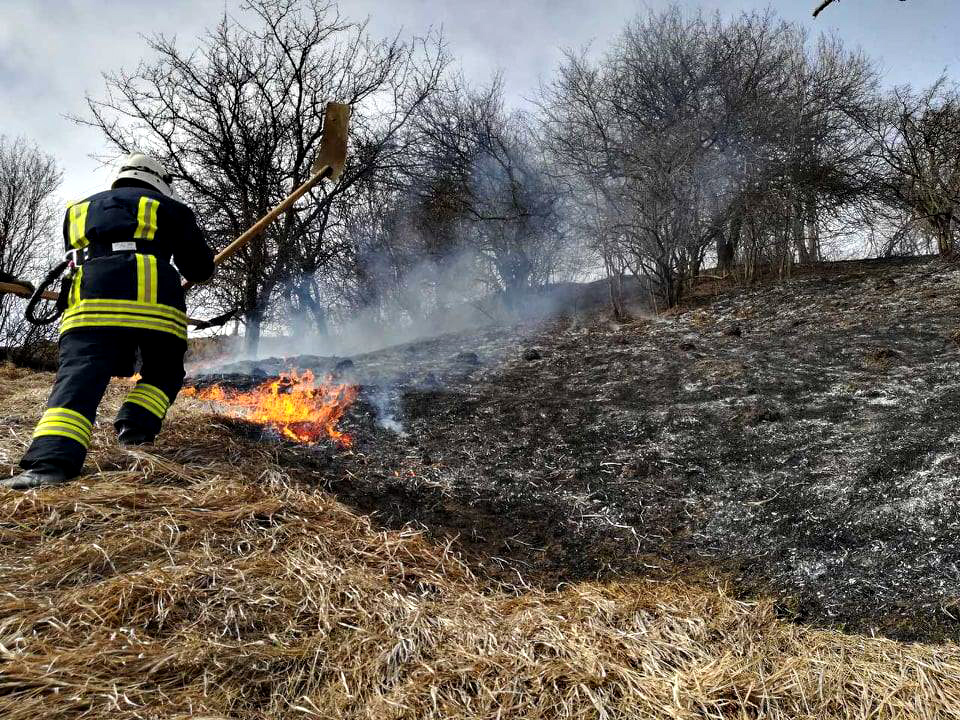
[129,236]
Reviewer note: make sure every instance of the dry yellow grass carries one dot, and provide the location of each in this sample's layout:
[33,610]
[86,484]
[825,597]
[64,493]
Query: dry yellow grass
[202,579]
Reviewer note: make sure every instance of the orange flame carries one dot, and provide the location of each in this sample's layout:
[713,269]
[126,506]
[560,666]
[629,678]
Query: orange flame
[295,406]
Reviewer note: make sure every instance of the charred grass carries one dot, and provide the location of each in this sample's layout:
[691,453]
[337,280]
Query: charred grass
[795,440]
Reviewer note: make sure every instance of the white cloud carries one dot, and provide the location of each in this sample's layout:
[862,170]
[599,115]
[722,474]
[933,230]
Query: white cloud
[53,51]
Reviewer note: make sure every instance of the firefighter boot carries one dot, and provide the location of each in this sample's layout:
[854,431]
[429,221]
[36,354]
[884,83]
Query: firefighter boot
[36,478]
[131,437]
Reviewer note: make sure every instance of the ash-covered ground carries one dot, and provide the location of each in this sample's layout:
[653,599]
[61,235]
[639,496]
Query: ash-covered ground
[800,439]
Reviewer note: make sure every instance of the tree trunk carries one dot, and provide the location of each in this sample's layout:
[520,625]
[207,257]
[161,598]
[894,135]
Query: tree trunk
[728,243]
[317,313]
[672,283]
[798,222]
[813,235]
[252,336]
[615,287]
[787,240]
[253,315]
[614,284]
[945,236]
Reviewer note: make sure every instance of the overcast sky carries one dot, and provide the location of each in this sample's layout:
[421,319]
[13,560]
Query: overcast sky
[53,51]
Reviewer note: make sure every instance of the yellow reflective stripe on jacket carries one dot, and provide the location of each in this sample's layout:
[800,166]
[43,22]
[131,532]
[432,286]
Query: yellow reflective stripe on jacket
[73,297]
[64,422]
[125,313]
[77,224]
[109,305]
[123,321]
[146,219]
[149,397]
[154,278]
[141,277]
[147,278]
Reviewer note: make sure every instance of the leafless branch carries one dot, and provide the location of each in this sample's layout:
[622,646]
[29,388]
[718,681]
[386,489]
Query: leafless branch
[822,6]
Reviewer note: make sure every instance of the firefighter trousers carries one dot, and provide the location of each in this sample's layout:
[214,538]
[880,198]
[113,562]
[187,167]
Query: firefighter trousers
[88,359]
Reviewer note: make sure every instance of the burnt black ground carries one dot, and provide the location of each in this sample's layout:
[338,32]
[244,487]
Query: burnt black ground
[800,439]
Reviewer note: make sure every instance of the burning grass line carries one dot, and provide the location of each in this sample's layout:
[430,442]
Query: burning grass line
[296,406]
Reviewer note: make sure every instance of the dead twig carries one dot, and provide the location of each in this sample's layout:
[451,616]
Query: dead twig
[822,6]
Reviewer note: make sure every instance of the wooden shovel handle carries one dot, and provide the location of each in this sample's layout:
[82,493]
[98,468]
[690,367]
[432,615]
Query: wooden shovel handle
[261,224]
[25,292]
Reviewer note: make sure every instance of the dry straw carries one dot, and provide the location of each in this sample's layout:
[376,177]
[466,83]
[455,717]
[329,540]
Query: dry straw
[203,579]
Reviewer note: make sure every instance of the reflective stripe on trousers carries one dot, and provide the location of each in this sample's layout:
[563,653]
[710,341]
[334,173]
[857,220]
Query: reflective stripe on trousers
[64,422]
[149,397]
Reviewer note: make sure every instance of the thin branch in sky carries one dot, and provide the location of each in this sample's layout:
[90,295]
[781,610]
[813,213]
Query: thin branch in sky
[822,6]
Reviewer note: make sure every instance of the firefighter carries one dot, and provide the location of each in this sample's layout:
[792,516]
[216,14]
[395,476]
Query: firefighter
[123,299]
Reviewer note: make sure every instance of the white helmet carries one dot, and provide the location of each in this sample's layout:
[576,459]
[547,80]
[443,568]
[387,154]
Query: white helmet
[144,168]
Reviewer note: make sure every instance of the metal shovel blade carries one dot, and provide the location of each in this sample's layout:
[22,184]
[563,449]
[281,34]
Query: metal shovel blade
[333,144]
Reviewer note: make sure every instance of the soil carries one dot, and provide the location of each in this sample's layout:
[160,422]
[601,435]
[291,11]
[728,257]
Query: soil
[799,440]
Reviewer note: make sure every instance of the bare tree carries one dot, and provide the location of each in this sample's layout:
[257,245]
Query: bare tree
[28,229]
[654,133]
[471,212]
[485,188]
[239,121]
[697,138]
[811,156]
[918,144]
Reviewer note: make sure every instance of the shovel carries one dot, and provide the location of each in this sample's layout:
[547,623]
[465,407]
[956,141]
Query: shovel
[327,166]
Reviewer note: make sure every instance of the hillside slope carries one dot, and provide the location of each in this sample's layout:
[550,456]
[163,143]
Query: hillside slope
[796,444]
[799,439]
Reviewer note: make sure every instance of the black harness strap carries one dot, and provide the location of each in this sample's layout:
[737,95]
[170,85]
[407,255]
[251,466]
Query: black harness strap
[61,304]
[74,258]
